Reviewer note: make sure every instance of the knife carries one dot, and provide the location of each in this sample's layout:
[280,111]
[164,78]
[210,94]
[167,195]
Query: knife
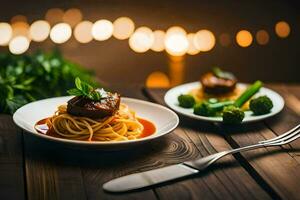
[161,175]
[150,178]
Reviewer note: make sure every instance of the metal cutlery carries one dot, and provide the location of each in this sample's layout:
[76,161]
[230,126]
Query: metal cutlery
[172,172]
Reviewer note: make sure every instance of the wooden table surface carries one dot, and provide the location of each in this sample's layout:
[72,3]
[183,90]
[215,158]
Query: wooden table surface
[32,168]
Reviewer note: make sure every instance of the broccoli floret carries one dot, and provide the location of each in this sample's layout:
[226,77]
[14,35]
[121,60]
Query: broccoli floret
[210,109]
[261,105]
[203,109]
[232,115]
[186,101]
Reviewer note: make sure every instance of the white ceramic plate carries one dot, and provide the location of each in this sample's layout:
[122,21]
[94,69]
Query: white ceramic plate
[172,102]
[164,119]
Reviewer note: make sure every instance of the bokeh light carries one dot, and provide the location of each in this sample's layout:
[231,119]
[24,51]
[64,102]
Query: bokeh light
[204,40]
[282,29]
[123,28]
[192,50]
[176,42]
[18,18]
[83,32]
[159,41]
[54,15]
[18,45]
[20,29]
[224,39]
[60,33]
[158,80]
[175,30]
[5,33]
[39,30]
[244,38]
[141,40]
[262,37]
[102,29]
[72,16]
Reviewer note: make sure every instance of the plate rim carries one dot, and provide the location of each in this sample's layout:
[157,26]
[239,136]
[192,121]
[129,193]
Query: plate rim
[219,120]
[100,143]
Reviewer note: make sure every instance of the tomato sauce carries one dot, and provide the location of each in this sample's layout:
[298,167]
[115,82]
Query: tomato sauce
[149,128]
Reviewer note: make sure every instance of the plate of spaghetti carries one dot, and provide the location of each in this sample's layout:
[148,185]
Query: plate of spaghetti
[96,117]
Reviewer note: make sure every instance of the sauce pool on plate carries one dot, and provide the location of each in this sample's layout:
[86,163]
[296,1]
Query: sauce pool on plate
[42,128]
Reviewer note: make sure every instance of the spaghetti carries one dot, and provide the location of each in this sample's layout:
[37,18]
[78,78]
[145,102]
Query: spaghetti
[124,125]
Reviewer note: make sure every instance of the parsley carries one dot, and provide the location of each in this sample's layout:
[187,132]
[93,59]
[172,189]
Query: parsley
[84,89]
[30,77]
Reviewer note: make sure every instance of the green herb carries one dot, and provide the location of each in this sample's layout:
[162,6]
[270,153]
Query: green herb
[84,89]
[26,78]
[222,74]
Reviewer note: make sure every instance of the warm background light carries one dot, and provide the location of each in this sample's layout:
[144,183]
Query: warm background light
[72,17]
[141,40]
[83,32]
[262,37]
[102,30]
[224,39]
[176,42]
[159,41]
[54,15]
[39,30]
[192,50]
[158,80]
[123,28]
[18,18]
[60,33]
[204,40]
[20,28]
[282,29]
[175,30]
[18,45]
[5,33]
[244,38]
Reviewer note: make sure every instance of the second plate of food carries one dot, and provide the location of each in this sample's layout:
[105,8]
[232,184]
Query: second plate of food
[195,90]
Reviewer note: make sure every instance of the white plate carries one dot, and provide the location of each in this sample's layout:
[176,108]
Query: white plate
[172,102]
[164,119]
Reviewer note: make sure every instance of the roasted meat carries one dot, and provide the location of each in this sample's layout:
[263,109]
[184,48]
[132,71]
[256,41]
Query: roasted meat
[83,106]
[213,84]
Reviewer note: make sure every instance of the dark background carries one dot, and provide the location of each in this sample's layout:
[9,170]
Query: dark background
[113,60]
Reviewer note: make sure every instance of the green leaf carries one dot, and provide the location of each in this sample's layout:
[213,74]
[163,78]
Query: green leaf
[22,87]
[78,83]
[28,81]
[15,103]
[10,92]
[86,88]
[75,92]
[95,96]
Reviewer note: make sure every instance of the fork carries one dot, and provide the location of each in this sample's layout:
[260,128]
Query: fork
[283,139]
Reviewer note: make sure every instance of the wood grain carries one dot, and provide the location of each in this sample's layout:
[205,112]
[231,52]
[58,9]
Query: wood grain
[11,160]
[56,171]
[226,180]
[52,171]
[279,170]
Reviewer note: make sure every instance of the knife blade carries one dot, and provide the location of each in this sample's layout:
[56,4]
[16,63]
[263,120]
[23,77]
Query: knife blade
[148,178]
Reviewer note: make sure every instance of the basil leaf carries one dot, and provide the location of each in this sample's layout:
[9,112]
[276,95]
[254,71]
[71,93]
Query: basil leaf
[86,88]
[95,96]
[75,92]
[78,83]
[222,74]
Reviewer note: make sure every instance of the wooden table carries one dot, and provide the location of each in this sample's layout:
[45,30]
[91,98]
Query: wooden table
[32,168]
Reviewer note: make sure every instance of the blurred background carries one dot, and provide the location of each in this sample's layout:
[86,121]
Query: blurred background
[160,43]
